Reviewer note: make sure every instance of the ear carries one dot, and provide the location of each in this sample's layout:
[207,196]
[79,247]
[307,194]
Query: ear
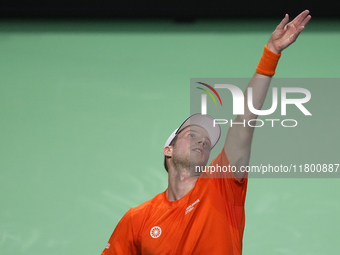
[167,151]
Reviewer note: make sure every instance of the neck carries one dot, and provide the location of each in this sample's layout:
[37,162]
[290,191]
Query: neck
[179,183]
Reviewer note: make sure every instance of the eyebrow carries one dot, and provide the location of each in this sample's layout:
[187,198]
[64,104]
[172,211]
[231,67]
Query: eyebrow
[189,130]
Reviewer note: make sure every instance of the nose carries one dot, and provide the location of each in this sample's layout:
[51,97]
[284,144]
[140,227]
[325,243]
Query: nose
[202,142]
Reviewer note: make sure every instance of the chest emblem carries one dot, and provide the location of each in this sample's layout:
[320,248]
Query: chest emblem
[191,207]
[155,232]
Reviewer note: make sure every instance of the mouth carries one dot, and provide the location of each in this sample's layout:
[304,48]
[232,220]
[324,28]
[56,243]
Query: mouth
[198,150]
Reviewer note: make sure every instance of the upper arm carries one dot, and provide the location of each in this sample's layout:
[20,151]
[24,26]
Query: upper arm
[239,137]
[237,146]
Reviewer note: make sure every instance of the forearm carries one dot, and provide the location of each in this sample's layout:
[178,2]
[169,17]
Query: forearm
[257,88]
[259,85]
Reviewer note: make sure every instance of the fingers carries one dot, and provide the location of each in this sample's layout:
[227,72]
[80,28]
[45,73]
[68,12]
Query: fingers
[305,21]
[283,22]
[300,21]
[300,29]
[301,18]
[297,33]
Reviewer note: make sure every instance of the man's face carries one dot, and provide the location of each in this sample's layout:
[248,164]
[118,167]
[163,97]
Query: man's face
[192,147]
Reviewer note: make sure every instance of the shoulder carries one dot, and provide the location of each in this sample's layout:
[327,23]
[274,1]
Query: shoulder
[143,210]
[221,159]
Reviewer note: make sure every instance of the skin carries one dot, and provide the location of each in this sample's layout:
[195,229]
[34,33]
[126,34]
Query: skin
[238,140]
[192,148]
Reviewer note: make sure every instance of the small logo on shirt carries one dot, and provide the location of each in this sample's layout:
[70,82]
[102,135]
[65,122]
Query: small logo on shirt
[155,232]
[107,246]
[191,207]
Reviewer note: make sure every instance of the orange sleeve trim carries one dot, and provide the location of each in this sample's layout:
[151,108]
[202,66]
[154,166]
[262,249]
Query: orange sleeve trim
[268,62]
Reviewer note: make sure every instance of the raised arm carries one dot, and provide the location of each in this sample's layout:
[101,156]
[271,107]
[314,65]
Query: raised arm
[238,141]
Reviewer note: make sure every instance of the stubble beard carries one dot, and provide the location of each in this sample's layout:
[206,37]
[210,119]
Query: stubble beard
[188,163]
[181,162]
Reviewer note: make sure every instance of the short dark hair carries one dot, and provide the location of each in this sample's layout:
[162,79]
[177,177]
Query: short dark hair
[172,143]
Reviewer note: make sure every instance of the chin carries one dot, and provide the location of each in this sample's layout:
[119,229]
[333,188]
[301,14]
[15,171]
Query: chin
[198,163]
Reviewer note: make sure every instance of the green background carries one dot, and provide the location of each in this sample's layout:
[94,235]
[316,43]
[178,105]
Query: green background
[86,107]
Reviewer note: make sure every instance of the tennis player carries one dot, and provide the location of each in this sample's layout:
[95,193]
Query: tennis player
[201,212]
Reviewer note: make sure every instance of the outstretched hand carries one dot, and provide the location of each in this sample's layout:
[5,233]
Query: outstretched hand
[286,33]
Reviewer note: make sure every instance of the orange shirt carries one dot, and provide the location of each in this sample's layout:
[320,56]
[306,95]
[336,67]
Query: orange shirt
[208,220]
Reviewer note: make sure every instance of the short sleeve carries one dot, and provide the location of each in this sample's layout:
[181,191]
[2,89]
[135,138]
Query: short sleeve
[224,180]
[122,240]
